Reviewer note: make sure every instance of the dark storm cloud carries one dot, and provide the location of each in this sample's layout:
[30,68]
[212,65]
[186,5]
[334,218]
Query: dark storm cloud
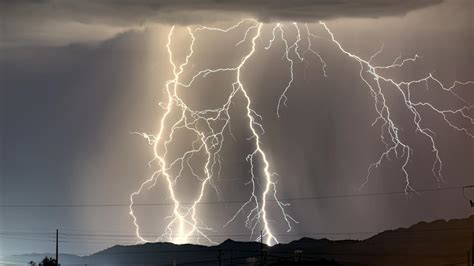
[126,12]
[57,23]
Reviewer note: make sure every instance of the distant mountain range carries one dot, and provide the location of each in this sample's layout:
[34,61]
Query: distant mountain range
[431,244]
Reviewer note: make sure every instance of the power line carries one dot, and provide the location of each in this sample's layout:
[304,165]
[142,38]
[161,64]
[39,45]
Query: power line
[94,238]
[376,194]
[292,234]
[94,233]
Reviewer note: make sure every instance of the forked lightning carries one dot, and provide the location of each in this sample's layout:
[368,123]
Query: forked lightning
[209,127]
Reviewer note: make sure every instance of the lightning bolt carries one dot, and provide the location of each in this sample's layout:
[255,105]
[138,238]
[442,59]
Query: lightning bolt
[184,222]
[209,127]
[388,126]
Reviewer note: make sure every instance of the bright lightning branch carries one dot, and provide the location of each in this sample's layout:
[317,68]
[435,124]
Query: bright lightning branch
[209,126]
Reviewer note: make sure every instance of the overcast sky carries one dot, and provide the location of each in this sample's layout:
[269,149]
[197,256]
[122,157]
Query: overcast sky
[77,79]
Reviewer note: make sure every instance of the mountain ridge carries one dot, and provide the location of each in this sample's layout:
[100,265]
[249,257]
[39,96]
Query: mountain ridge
[439,242]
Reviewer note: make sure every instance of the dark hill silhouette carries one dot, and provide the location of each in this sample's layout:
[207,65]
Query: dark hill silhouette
[431,244]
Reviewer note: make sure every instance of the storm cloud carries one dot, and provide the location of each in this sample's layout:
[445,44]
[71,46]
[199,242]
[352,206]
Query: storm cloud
[63,22]
[124,12]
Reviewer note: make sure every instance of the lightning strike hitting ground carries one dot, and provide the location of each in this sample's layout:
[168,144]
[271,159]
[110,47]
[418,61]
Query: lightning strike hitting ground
[209,127]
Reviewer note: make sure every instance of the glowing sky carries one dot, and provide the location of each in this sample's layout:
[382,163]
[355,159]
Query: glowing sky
[72,93]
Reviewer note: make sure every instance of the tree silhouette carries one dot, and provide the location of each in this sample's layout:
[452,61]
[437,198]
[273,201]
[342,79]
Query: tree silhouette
[48,262]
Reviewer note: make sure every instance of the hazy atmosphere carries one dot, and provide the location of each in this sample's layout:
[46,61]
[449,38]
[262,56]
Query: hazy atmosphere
[84,90]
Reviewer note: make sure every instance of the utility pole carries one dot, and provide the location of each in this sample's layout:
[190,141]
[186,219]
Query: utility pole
[468,257]
[219,255]
[57,247]
[261,248]
[472,250]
